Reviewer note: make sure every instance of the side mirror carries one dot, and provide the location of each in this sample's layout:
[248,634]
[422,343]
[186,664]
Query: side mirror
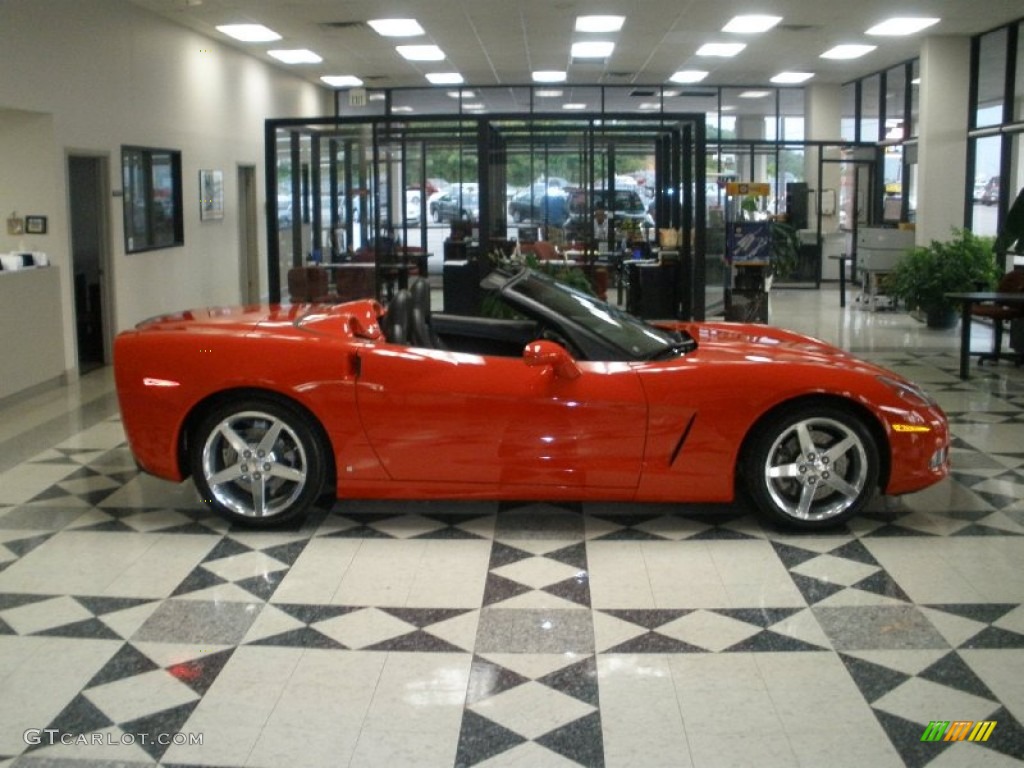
[548,353]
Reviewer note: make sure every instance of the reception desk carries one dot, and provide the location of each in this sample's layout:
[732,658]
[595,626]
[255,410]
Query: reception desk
[31,339]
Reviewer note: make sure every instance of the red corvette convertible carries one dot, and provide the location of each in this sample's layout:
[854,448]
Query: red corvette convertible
[562,397]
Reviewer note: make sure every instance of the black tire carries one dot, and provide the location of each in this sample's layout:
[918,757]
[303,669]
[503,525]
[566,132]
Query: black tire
[811,467]
[436,213]
[258,462]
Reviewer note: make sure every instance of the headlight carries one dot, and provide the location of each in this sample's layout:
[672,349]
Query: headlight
[912,393]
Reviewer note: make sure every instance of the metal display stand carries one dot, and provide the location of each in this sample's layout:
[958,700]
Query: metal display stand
[748,249]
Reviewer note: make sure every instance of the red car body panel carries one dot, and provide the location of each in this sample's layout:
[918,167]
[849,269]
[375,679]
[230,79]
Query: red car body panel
[406,422]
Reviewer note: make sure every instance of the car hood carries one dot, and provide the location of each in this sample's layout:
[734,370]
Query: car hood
[740,342]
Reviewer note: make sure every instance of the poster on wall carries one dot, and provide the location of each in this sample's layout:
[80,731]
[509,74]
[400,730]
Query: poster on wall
[749,241]
[211,195]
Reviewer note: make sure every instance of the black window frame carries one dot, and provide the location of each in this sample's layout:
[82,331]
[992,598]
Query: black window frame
[146,226]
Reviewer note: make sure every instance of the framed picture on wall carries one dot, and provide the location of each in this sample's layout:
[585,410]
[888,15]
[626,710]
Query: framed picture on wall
[211,195]
[35,225]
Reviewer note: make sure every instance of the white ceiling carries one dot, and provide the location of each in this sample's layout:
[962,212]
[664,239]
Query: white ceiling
[499,42]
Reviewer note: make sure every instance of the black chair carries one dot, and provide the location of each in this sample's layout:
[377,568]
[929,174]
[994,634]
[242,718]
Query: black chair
[422,332]
[397,320]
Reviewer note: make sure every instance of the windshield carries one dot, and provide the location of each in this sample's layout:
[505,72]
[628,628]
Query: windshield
[634,338]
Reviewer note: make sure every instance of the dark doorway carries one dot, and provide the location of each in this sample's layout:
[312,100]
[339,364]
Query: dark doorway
[86,185]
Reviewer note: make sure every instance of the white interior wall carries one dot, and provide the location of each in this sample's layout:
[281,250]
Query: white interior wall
[99,74]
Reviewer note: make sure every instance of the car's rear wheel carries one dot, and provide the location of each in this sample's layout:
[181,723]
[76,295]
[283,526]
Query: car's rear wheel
[258,462]
[812,467]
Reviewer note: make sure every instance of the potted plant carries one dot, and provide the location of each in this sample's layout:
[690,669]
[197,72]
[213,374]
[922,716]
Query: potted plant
[927,273]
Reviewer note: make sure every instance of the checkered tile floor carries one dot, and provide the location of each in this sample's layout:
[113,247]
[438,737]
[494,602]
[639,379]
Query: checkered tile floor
[133,624]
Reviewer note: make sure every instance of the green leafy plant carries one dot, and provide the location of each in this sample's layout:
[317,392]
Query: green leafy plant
[926,274]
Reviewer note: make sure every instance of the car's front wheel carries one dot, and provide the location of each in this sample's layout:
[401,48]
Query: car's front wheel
[812,467]
[258,462]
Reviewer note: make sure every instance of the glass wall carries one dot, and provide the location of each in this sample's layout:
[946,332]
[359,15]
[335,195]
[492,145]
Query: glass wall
[994,139]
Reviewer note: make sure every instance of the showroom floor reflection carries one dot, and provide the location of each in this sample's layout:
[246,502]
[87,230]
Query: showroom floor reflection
[136,628]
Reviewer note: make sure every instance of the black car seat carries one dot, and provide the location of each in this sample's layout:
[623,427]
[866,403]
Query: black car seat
[422,332]
[398,318]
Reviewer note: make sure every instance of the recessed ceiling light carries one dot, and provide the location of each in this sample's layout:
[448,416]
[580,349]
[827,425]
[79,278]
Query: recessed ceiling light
[474,106]
[296,56]
[548,76]
[401,109]
[649,105]
[599,23]
[720,49]
[396,27]
[445,78]
[754,94]
[462,94]
[342,81]
[420,52]
[547,93]
[751,25]
[848,51]
[792,77]
[249,33]
[574,106]
[899,26]
[688,76]
[592,49]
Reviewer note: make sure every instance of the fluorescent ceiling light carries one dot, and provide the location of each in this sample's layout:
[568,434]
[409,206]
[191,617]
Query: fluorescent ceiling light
[900,26]
[462,94]
[474,106]
[592,49]
[848,51]
[751,25]
[420,52]
[401,109]
[792,77]
[548,76]
[649,105]
[249,33]
[599,23]
[296,56]
[574,105]
[688,76]
[445,78]
[754,94]
[547,93]
[720,49]
[396,27]
[342,81]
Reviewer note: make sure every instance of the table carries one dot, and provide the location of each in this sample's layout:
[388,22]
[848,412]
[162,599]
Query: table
[967,300]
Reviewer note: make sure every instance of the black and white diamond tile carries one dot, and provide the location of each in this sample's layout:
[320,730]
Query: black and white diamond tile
[534,641]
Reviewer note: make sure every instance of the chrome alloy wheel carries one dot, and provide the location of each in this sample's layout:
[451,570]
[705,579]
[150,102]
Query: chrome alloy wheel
[254,464]
[816,469]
